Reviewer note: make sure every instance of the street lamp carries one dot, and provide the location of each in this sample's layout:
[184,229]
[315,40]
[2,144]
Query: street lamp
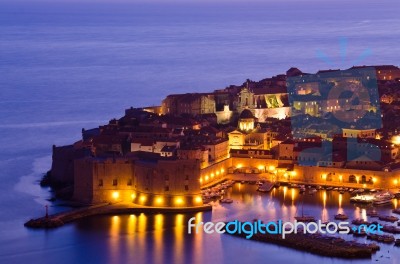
[374,180]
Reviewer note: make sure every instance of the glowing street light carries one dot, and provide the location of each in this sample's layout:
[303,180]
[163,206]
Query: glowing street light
[374,180]
[396,140]
[115,195]
[178,201]
[198,199]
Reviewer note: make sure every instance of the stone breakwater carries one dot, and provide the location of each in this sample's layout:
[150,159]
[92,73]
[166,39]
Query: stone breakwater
[318,244]
[57,220]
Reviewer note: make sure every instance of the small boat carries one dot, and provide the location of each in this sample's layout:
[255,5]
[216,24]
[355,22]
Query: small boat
[318,187]
[372,213]
[226,200]
[388,218]
[397,242]
[388,238]
[329,188]
[391,229]
[362,199]
[396,211]
[383,198]
[335,189]
[397,195]
[351,190]
[341,191]
[305,218]
[341,217]
[312,191]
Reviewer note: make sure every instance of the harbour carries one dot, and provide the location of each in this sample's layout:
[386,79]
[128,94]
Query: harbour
[287,202]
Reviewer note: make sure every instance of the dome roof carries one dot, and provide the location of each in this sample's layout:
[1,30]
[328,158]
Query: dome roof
[246,113]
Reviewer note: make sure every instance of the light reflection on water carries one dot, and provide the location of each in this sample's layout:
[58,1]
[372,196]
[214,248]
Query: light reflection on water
[163,238]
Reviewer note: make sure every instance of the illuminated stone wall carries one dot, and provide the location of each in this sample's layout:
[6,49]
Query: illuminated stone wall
[279,113]
[171,183]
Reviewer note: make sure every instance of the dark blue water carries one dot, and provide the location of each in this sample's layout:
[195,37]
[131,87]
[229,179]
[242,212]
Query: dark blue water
[67,66]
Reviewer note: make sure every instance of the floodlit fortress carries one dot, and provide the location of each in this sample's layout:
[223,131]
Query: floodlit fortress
[335,127]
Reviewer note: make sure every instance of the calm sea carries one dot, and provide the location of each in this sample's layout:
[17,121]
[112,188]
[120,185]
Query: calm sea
[66,66]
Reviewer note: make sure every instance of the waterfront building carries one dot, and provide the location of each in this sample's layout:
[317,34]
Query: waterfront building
[192,103]
[143,179]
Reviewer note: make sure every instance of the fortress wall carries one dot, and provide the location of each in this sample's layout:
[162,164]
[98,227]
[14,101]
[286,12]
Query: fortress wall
[62,168]
[83,180]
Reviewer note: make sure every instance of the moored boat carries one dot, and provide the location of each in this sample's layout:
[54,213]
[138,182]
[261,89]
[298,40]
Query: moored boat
[341,217]
[226,200]
[362,199]
[388,218]
[391,229]
[312,191]
[396,211]
[305,218]
[383,198]
[372,213]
